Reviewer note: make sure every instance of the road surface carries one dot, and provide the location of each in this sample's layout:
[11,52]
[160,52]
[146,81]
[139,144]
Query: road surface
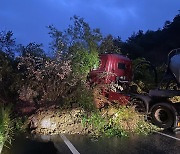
[163,142]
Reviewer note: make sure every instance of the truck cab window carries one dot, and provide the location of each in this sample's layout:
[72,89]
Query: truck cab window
[121,66]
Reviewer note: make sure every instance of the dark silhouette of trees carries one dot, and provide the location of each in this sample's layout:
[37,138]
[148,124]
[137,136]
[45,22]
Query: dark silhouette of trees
[32,49]
[7,43]
[154,45]
[7,66]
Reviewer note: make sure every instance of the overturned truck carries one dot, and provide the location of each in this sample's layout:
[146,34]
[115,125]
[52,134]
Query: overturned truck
[116,70]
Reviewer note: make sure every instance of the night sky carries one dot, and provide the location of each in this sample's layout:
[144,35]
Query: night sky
[28,18]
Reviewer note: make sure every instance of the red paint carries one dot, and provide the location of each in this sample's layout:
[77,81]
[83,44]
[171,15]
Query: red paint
[109,65]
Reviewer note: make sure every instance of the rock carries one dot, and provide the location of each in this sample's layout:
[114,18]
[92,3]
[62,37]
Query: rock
[47,123]
[33,123]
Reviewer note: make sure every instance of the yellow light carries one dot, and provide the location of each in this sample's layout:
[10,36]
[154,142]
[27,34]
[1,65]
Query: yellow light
[178,124]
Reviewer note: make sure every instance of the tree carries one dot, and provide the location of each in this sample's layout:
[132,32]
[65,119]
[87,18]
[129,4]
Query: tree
[7,43]
[151,43]
[78,43]
[32,49]
[110,45]
[7,67]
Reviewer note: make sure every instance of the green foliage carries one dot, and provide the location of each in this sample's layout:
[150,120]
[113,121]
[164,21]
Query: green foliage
[123,122]
[6,125]
[161,70]
[95,121]
[110,44]
[77,35]
[145,128]
[144,75]
[132,122]
[84,97]
[79,44]
[6,76]
[20,124]
[8,71]
[83,62]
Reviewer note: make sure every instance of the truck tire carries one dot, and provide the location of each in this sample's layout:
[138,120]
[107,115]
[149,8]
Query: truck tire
[162,116]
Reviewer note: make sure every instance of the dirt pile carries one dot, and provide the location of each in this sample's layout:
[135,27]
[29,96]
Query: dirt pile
[55,121]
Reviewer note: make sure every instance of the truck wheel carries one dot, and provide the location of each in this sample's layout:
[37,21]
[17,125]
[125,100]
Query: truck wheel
[162,116]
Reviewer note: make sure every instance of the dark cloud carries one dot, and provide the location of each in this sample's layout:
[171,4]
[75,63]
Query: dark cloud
[28,19]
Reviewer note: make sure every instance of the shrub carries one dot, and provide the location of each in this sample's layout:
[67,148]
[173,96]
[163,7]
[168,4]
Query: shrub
[20,124]
[63,76]
[127,119]
[144,75]
[6,125]
[123,122]
[44,79]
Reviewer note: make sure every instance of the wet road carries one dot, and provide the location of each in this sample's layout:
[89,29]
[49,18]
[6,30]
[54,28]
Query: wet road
[165,142]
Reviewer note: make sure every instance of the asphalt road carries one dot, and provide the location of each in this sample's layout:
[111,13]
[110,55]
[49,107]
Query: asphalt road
[164,142]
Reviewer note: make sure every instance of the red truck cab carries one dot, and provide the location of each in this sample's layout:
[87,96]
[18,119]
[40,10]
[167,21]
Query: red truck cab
[116,66]
[116,70]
